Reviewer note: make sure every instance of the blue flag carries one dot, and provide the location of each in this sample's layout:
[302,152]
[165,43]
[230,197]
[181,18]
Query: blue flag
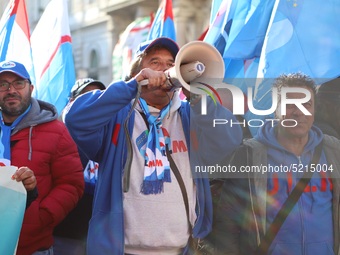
[303,36]
[250,21]
[238,32]
[239,28]
[219,29]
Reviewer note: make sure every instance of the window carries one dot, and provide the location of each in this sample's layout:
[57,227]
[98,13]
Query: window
[94,65]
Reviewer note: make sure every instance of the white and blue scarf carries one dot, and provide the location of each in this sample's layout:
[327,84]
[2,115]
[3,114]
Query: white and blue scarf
[156,169]
[5,138]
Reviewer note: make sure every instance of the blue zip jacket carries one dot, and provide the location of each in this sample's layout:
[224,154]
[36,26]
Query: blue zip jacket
[308,229]
[95,121]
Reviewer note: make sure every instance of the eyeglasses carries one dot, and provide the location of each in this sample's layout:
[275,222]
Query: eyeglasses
[18,84]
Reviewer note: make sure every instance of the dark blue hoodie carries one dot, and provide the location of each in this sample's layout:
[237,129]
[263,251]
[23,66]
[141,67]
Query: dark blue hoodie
[308,229]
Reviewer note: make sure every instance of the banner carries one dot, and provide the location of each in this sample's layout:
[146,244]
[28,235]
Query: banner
[12,208]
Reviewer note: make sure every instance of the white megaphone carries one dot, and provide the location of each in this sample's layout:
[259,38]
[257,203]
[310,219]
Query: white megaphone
[196,61]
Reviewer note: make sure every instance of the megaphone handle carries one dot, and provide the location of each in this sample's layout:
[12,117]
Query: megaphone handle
[143,82]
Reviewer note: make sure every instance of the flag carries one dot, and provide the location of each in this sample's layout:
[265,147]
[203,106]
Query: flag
[202,36]
[124,51]
[12,209]
[15,36]
[218,32]
[237,32]
[303,36]
[163,24]
[250,21]
[52,55]
[306,36]
[215,6]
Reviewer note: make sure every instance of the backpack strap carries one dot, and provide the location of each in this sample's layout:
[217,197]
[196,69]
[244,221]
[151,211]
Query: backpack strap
[288,205]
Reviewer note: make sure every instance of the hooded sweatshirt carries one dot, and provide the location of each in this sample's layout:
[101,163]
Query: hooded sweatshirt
[308,228]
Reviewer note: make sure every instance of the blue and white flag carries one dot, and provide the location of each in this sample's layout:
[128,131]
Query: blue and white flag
[12,208]
[15,36]
[52,55]
[238,32]
[303,36]
[125,50]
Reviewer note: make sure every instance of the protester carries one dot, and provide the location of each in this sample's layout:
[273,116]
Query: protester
[327,110]
[150,216]
[35,139]
[70,235]
[249,205]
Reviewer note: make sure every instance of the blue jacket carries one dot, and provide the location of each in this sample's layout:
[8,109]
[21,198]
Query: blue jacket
[248,205]
[300,233]
[96,120]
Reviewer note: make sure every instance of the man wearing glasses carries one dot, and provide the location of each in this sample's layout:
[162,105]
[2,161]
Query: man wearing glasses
[31,136]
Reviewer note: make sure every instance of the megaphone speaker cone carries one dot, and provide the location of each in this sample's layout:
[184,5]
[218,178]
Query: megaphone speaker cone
[198,52]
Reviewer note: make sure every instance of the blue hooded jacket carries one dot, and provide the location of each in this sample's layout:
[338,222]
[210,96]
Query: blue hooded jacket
[95,121]
[308,229]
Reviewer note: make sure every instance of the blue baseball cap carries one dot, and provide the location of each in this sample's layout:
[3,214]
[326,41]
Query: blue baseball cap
[162,41]
[14,67]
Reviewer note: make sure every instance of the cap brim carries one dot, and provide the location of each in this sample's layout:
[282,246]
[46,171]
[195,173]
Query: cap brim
[163,41]
[98,83]
[14,72]
[79,90]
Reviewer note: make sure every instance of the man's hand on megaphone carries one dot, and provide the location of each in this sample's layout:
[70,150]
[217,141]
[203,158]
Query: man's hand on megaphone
[153,79]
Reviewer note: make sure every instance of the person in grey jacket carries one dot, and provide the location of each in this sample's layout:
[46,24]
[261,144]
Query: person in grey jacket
[327,110]
[248,205]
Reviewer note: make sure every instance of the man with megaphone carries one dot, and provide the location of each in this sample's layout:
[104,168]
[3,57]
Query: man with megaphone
[146,140]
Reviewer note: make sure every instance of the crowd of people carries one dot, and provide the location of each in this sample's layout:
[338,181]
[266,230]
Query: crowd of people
[115,173]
